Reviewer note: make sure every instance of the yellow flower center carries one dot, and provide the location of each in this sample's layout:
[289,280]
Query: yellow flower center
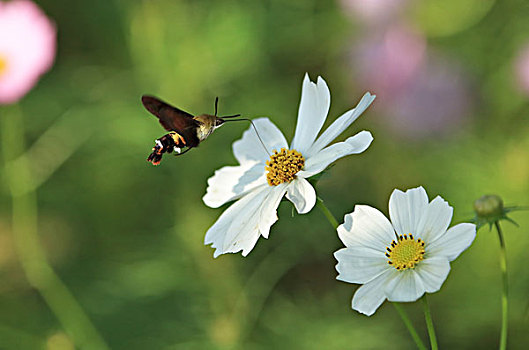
[3,65]
[283,166]
[406,252]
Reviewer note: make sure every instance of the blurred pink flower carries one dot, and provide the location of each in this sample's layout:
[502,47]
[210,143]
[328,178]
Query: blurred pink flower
[436,101]
[521,68]
[27,48]
[421,93]
[387,62]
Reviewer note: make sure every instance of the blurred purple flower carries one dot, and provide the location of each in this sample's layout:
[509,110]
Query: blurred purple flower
[27,48]
[420,94]
[373,11]
[521,68]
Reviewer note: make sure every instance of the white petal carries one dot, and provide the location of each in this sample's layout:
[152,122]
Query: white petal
[433,272]
[369,228]
[256,219]
[232,182]
[344,230]
[353,145]
[340,124]
[313,109]
[453,242]
[249,148]
[302,194]
[435,220]
[268,212]
[371,295]
[243,210]
[359,264]
[404,286]
[407,209]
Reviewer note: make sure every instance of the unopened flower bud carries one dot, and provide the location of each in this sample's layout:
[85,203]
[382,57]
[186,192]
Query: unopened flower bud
[489,206]
[489,209]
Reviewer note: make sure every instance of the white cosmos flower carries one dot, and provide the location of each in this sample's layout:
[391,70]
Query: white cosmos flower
[402,259]
[261,180]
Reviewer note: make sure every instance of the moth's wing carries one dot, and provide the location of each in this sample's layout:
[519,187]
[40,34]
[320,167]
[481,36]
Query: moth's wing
[173,119]
[190,136]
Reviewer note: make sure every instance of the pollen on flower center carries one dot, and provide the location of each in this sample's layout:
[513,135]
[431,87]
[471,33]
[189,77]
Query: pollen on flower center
[3,65]
[406,252]
[283,166]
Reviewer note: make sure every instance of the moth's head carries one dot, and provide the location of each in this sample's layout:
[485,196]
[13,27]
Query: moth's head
[218,122]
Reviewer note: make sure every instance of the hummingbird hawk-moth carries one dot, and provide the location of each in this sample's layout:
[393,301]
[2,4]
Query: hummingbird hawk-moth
[185,130]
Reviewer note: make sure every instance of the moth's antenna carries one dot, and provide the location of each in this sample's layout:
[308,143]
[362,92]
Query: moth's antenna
[256,132]
[216,104]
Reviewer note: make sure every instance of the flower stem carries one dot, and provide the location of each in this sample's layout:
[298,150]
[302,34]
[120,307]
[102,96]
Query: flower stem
[409,326]
[332,220]
[38,271]
[429,322]
[504,301]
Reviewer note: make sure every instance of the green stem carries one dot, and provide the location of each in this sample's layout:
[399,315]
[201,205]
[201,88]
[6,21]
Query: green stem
[409,326]
[334,223]
[429,322]
[504,301]
[332,220]
[32,256]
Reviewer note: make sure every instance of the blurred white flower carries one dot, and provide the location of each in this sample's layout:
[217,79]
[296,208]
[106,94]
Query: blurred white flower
[374,11]
[262,179]
[402,259]
[521,67]
[27,48]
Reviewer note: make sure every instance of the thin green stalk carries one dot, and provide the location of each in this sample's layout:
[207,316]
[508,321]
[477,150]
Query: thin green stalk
[429,322]
[32,256]
[409,326]
[334,223]
[504,301]
[332,220]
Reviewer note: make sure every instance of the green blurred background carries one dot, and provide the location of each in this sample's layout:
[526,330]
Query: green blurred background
[127,237]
